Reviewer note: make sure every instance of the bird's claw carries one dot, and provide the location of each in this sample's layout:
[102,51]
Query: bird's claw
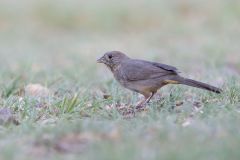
[140,107]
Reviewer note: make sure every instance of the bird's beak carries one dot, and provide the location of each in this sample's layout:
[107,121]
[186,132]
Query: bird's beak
[101,60]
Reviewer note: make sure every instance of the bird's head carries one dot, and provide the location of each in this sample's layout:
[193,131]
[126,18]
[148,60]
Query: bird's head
[112,59]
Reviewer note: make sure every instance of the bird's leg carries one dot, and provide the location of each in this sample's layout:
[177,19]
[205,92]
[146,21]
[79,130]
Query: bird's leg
[149,98]
[140,104]
[143,103]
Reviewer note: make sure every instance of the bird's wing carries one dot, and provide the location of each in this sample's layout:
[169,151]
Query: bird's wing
[165,67]
[135,70]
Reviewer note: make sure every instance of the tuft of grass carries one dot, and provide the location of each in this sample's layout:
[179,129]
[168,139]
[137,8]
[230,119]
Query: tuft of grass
[11,88]
[67,105]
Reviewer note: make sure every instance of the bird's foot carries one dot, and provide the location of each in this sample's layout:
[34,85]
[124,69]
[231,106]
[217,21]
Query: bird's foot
[140,107]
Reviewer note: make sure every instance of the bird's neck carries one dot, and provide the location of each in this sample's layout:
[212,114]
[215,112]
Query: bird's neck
[115,67]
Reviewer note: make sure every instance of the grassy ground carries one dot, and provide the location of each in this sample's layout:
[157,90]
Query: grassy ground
[56,44]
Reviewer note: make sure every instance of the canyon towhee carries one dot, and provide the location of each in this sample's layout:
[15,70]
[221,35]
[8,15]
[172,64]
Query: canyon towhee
[146,77]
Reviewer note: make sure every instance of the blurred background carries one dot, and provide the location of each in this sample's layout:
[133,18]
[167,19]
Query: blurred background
[64,35]
[55,43]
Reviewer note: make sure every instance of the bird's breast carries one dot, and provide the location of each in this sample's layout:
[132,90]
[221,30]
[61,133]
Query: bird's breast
[120,77]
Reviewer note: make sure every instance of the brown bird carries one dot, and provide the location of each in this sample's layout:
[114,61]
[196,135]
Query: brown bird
[146,77]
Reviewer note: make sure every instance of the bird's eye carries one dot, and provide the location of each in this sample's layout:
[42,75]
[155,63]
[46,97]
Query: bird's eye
[110,56]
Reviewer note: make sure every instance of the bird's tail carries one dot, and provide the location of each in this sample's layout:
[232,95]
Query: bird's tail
[197,84]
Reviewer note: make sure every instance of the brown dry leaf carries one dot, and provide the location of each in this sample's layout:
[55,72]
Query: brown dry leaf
[179,103]
[197,104]
[37,90]
[125,110]
[106,96]
[129,111]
